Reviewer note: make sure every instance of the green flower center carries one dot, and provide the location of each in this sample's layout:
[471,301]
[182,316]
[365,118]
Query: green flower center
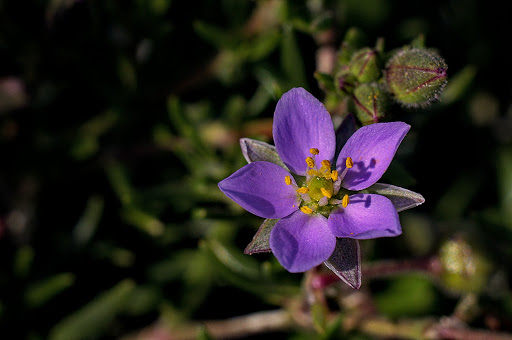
[321,191]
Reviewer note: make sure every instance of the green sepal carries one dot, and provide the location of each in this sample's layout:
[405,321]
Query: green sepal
[345,261]
[255,150]
[261,241]
[401,198]
[371,103]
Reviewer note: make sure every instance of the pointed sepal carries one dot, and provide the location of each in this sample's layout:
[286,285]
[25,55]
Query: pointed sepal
[401,198]
[260,242]
[345,261]
[255,150]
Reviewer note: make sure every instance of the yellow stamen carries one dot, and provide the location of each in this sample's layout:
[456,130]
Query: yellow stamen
[325,193]
[306,210]
[344,201]
[326,164]
[302,190]
[311,162]
[349,163]
[334,175]
[314,151]
[288,180]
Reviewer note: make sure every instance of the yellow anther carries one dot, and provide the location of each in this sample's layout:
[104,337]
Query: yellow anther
[325,192]
[334,175]
[349,163]
[306,210]
[344,201]
[326,164]
[288,180]
[302,190]
[314,151]
[311,162]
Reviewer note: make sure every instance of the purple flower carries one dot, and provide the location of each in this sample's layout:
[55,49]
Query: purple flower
[314,201]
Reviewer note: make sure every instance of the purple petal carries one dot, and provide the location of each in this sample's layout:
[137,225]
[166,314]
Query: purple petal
[301,122]
[259,187]
[372,149]
[366,216]
[301,242]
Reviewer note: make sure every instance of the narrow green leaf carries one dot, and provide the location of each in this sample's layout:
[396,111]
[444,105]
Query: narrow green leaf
[234,260]
[505,183]
[214,35]
[91,321]
[41,292]
[291,60]
[23,260]
[144,221]
[458,85]
[88,223]
[119,181]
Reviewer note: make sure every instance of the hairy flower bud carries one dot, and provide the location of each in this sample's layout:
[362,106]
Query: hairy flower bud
[364,65]
[416,76]
[464,268]
[370,103]
[345,81]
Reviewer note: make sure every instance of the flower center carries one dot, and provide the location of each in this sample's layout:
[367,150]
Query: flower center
[321,190]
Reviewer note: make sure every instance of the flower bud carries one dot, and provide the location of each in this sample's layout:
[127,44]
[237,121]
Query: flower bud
[345,81]
[370,103]
[464,268]
[416,76]
[364,65]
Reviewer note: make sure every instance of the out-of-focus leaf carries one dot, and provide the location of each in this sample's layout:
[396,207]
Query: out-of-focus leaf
[261,46]
[408,295]
[504,162]
[119,181]
[345,261]
[215,36]
[260,241]
[255,150]
[143,300]
[90,321]
[23,260]
[234,259]
[401,198]
[86,143]
[458,85]
[127,73]
[88,222]
[291,61]
[120,257]
[144,221]
[319,316]
[458,196]
[41,292]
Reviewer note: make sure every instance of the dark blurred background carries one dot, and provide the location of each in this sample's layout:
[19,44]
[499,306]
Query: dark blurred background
[118,118]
